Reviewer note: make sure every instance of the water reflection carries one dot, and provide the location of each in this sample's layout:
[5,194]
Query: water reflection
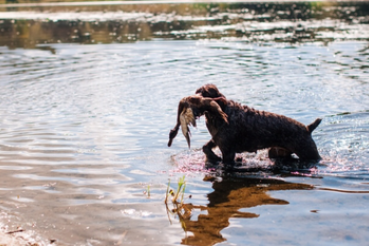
[289,22]
[230,195]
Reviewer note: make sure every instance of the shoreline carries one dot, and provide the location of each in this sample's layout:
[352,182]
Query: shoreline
[149,2]
[19,238]
[12,235]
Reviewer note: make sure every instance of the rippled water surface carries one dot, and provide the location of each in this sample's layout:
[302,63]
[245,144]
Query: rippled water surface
[85,119]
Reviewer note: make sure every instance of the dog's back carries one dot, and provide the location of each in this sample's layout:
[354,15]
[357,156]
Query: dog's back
[250,130]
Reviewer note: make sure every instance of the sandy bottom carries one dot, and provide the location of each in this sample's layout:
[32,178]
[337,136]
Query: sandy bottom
[11,235]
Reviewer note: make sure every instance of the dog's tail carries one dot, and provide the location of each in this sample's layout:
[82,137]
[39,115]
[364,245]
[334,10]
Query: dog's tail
[314,125]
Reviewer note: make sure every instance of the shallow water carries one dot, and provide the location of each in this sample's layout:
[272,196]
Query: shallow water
[84,127]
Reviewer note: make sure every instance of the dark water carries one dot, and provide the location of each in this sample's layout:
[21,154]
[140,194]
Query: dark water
[85,120]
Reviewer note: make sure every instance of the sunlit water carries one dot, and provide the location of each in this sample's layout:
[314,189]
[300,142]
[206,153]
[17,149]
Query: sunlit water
[84,130]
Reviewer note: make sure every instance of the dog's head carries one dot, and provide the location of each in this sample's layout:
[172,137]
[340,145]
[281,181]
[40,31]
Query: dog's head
[209,90]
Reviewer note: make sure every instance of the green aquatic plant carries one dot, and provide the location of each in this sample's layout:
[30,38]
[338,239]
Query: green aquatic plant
[166,194]
[180,189]
[146,192]
[179,193]
[177,206]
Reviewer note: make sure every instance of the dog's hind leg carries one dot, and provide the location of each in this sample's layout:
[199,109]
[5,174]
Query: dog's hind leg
[208,151]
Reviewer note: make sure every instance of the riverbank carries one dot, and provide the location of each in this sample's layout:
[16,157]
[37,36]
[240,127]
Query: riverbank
[13,234]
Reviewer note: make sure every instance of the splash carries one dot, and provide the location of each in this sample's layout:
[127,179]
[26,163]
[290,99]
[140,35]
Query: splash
[194,161]
[343,164]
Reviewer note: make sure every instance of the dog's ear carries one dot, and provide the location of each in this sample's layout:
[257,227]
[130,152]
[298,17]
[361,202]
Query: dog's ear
[208,104]
[221,101]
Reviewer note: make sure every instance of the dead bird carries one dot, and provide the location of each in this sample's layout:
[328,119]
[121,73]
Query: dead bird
[186,119]
[186,116]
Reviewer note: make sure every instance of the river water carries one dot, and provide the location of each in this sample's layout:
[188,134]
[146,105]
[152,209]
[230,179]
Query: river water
[89,94]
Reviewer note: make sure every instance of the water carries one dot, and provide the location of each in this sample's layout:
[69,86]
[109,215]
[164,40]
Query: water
[85,120]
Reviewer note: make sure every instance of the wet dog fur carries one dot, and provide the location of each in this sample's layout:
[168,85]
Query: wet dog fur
[250,130]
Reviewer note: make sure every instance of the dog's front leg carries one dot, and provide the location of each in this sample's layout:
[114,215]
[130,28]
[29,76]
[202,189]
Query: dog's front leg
[228,157]
[208,151]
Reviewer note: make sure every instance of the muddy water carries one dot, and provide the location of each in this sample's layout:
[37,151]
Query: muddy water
[88,98]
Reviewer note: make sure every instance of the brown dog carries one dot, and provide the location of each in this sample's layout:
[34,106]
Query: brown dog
[248,129]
